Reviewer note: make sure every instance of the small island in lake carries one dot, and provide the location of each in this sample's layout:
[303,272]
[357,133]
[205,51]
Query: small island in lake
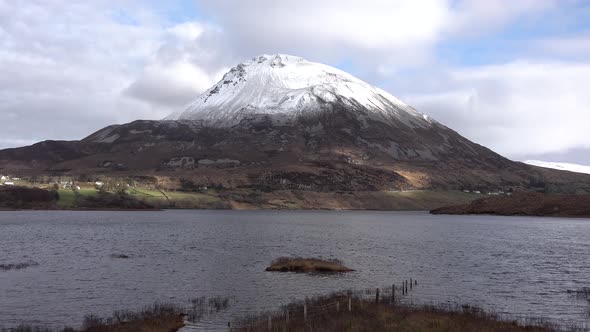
[525,204]
[299,264]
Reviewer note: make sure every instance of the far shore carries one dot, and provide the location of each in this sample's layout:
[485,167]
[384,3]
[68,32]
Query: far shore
[29,196]
[81,209]
[23,198]
[524,204]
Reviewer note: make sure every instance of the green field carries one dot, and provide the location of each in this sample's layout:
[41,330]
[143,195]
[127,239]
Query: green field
[165,199]
[245,198]
[67,197]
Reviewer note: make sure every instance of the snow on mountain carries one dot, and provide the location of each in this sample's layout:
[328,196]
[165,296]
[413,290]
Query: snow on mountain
[560,166]
[286,87]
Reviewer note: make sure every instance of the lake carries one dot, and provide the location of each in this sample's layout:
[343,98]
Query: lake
[519,266]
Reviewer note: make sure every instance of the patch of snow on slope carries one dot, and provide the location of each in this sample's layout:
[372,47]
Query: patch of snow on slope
[287,85]
[109,139]
[560,166]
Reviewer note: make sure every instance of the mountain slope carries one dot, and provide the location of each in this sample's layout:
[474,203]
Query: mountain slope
[278,123]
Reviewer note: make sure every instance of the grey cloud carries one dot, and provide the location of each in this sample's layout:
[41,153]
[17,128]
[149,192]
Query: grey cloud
[161,91]
[189,60]
[39,118]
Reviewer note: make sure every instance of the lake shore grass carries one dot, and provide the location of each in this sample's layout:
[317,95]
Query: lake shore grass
[335,313]
[300,264]
[153,318]
[342,311]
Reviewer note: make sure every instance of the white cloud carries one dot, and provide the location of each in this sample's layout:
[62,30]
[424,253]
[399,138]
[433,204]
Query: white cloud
[577,47]
[520,108]
[473,17]
[187,31]
[382,36]
[395,32]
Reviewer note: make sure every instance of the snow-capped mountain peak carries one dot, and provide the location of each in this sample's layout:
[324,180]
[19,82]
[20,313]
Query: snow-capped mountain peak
[286,87]
[560,166]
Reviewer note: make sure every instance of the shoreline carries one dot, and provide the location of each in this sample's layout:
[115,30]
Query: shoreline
[206,209]
[431,212]
[524,204]
[488,214]
[81,209]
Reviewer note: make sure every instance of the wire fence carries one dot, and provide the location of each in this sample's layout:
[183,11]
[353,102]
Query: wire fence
[400,294]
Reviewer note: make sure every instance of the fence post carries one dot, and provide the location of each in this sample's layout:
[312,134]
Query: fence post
[377,296]
[269,323]
[350,303]
[287,316]
[411,283]
[338,306]
[229,326]
[406,287]
[305,312]
[393,294]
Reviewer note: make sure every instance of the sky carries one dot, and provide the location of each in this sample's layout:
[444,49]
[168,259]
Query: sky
[511,75]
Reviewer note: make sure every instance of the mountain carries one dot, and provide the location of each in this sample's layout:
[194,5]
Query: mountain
[281,124]
[560,166]
[285,88]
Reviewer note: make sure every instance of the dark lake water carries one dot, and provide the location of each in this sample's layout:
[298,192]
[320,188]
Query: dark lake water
[520,266]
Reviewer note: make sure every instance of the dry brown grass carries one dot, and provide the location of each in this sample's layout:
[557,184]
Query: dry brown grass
[366,315]
[155,318]
[158,317]
[300,264]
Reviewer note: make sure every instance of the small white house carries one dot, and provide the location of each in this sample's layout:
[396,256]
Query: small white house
[4,178]
[99,183]
[9,183]
[477,191]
